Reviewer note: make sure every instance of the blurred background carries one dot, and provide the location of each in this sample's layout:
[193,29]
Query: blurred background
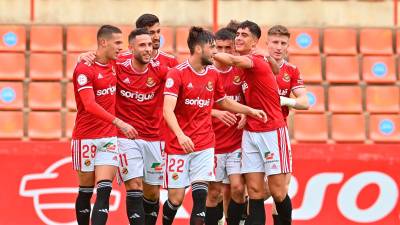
[346,147]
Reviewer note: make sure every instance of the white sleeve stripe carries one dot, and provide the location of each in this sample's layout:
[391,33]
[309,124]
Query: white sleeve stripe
[170,93]
[300,86]
[86,87]
[220,99]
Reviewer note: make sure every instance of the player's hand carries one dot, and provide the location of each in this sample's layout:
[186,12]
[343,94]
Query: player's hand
[186,143]
[242,121]
[88,57]
[259,51]
[258,114]
[128,130]
[226,117]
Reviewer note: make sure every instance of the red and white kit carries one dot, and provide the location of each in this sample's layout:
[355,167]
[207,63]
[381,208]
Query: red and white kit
[228,139]
[196,94]
[266,146]
[139,96]
[94,139]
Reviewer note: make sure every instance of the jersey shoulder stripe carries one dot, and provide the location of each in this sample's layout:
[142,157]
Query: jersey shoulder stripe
[167,55]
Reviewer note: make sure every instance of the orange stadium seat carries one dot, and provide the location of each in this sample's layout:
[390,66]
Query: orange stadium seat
[303,132]
[11,95]
[44,125]
[182,57]
[70,96]
[72,59]
[46,66]
[340,41]
[304,41]
[12,66]
[375,41]
[44,95]
[316,99]
[342,69]
[342,132]
[167,39]
[41,41]
[12,124]
[69,123]
[262,43]
[181,39]
[383,99]
[384,128]
[379,69]
[345,99]
[81,38]
[126,30]
[13,38]
[309,66]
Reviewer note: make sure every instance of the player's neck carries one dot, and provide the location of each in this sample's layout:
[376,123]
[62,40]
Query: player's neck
[137,66]
[101,57]
[221,67]
[196,64]
[154,53]
[280,62]
[245,52]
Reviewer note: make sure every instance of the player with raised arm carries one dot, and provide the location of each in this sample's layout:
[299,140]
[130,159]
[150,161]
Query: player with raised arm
[94,142]
[261,140]
[191,89]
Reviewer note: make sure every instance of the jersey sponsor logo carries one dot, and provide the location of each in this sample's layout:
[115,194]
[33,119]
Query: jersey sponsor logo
[286,77]
[156,166]
[110,146]
[237,80]
[150,82]
[245,86]
[270,156]
[283,92]
[169,83]
[126,81]
[140,97]
[198,102]
[106,91]
[210,86]
[82,79]
[236,98]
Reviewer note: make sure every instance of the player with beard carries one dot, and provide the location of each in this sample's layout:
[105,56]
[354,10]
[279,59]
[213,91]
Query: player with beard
[262,141]
[190,90]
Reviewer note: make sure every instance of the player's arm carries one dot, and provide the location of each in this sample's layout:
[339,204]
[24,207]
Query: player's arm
[299,102]
[234,60]
[271,61]
[235,107]
[170,118]
[91,106]
[226,117]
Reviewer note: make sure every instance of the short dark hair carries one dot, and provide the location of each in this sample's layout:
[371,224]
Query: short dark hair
[253,27]
[233,26]
[106,31]
[199,36]
[146,20]
[279,30]
[137,32]
[225,34]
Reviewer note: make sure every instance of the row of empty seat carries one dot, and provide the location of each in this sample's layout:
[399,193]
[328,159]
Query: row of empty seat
[337,99]
[309,41]
[306,127]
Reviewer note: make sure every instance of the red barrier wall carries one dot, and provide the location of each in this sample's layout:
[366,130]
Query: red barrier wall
[332,185]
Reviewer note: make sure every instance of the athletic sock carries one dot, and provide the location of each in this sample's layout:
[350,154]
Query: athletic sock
[101,206]
[82,205]
[134,207]
[169,212]
[151,209]
[284,210]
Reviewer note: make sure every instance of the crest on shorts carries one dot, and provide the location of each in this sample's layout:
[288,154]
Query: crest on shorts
[150,82]
[156,166]
[286,77]
[87,162]
[175,176]
[125,171]
[110,146]
[210,86]
[237,80]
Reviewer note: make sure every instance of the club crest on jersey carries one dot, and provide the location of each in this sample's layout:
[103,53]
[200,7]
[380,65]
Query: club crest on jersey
[237,80]
[286,77]
[210,86]
[150,82]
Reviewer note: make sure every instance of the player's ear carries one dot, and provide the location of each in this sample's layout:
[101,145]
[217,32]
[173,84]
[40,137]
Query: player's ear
[198,49]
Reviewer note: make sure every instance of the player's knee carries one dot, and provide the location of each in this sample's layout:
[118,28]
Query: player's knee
[237,190]
[134,184]
[279,195]
[214,195]
[152,193]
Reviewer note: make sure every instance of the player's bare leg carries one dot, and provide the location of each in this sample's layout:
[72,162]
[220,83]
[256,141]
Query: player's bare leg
[256,192]
[214,197]
[104,177]
[82,204]
[236,206]
[134,201]
[278,186]
[151,196]
[226,197]
[171,206]
[274,211]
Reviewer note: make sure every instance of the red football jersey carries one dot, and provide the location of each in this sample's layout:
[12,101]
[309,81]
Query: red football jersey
[196,94]
[229,139]
[261,92]
[139,97]
[102,79]
[288,80]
